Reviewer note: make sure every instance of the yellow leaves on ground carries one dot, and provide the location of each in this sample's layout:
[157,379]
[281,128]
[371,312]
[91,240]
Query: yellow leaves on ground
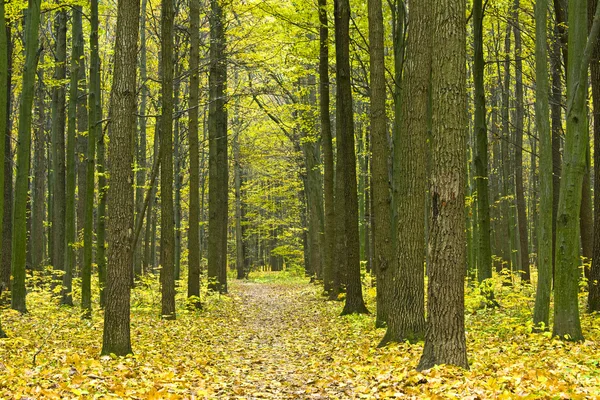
[279,339]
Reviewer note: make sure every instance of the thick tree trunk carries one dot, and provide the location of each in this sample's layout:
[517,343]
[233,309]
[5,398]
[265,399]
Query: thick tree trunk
[406,319]
[218,164]
[4,117]
[566,309]
[445,338]
[382,236]
[19,238]
[117,337]
[346,195]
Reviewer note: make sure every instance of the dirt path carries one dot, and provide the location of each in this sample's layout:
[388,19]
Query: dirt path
[279,342]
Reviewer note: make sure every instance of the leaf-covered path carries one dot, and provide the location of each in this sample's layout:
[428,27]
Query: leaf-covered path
[278,338]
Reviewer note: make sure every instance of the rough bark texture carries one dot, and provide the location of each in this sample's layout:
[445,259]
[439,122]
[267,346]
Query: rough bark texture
[218,165]
[382,236]
[19,238]
[329,240]
[346,195]
[406,319]
[541,313]
[116,337]
[58,141]
[445,338]
[167,228]
[194,212]
[519,118]
[594,275]
[566,309]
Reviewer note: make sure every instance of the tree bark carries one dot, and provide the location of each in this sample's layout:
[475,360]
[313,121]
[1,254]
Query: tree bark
[218,164]
[117,338]
[445,337]
[70,221]
[346,195]
[594,276]
[541,313]
[167,228]
[519,116]
[19,238]
[328,183]
[194,211]
[58,141]
[566,309]
[406,319]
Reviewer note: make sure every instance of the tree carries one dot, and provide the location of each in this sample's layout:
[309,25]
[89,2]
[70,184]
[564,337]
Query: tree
[384,261]
[167,235]
[519,116]
[19,240]
[346,194]
[94,132]
[541,312]
[194,217]
[218,164]
[594,277]
[70,228]
[116,337]
[3,115]
[407,307]
[324,117]
[445,337]
[484,262]
[58,141]
[566,308]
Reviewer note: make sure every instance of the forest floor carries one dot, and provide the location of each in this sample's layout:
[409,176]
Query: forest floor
[276,337]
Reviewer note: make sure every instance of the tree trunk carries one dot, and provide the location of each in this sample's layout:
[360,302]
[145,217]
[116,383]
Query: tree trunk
[4,117]
[70,228]
[167,228]
[218,164]
[382,236]
[19,238]
[194,211]
[39,180]
[406,319]
[6,242]
[594,277]
[328,172]
[117,337]
[58,141]
[484,262]
[346,196]
[519,114]
[445,337]
[541,313]
[566,309]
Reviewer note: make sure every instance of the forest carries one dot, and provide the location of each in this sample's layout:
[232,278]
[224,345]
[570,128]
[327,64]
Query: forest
[299,199]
